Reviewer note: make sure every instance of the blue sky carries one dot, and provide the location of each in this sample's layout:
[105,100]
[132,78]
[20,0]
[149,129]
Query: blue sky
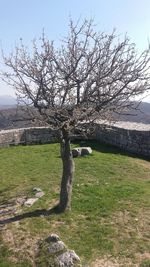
[26,18]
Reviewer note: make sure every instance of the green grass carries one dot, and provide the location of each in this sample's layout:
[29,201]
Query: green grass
[110,202]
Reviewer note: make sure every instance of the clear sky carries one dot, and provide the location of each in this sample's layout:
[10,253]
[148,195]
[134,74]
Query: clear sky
[26,19]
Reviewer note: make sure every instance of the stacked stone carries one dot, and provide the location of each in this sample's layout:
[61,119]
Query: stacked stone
[56,253]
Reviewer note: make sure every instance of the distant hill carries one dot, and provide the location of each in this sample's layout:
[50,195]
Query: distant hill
[141,115]
[18,117]
[12,116]
[7,101]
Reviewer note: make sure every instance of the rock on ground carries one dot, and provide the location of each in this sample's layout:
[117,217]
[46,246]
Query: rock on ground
[30,201]
[57,254]
[81,151]
[68,259]
[38,194]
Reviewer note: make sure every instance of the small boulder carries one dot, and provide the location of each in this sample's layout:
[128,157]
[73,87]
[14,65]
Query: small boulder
[56,253]
[30,201]
[86,151]
[68,259]
[55,244]
[37,189]
[56,247]
[76,152]
[81,151]
[39,194]
[52,238]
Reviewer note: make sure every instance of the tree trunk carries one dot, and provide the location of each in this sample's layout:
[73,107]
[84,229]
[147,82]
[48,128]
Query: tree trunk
[68,172]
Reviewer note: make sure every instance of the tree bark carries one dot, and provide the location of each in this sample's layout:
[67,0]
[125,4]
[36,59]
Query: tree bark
[68,173]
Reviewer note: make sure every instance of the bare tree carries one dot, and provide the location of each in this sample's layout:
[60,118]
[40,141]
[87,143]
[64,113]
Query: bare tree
[89,77]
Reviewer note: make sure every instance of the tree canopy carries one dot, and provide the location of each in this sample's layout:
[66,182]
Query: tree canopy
[89,76]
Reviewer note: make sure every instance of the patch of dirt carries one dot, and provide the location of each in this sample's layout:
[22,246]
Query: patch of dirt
[139,223]
[17,239]
[108,261]
[20,243]
[145,256]
[135,230]
[143,163]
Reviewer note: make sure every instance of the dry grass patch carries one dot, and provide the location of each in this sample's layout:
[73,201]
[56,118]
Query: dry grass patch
[109,261]
[141,163]
[21,243]
[132,237]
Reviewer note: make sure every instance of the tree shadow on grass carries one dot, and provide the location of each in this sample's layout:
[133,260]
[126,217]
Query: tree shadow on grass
[106,148]
[31,214]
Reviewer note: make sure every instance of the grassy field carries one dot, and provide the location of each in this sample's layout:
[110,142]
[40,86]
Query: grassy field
[109,222]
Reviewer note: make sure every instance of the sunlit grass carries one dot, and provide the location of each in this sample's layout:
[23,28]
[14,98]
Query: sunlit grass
[111,193]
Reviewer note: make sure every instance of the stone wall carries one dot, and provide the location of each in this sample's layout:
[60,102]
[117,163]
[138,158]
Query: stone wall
[133,140]
[27,136]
